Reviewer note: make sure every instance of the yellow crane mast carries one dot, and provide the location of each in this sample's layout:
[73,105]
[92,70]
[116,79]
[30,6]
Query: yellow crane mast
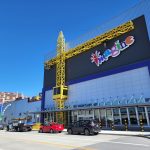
[60,91]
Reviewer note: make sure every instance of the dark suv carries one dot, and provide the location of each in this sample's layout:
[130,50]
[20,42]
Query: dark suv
[86,127]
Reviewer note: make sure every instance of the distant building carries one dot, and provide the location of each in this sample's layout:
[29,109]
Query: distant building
[21,108]
[10,96]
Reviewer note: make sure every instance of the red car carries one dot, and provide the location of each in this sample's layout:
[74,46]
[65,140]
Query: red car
[51,127]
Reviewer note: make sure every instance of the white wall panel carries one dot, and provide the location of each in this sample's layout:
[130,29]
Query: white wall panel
[127,83]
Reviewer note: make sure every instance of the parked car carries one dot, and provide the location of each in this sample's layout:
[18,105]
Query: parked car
[86,127]
[51,127]
[1,127]
[19,124]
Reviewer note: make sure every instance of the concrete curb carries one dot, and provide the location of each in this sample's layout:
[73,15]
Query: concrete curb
[136,135]
[122,134]
[145,136]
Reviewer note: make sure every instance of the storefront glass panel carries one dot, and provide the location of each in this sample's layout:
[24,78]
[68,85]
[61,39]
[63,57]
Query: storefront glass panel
[132,113]
[148,110]
[142,115]
[124,116]
[37,118]
[116,116]
[96,114]
[74,114]
[103,117]
[45,118]
[109,118]
[81,112]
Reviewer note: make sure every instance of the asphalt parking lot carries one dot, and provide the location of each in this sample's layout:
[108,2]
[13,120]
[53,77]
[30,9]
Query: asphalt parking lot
[62,141]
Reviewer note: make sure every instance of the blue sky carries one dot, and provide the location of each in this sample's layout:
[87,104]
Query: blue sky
[29,30]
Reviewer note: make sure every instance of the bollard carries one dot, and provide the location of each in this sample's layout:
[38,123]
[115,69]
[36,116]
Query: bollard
[126,125]
[112,126]
[141,125]
[100,124]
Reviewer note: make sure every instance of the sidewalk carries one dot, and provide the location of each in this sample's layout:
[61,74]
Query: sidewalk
[124,133]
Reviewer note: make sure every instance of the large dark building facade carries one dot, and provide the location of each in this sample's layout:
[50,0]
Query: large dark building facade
[109,82]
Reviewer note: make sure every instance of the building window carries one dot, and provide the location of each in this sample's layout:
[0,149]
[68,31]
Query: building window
[89,112]
[96,114]
[148,110]
[124,116]
[109,117]
[142,115]
[132,113]
[74,113]
[116,116]
[37,120]
[7,97]
[81,112]
[103,117]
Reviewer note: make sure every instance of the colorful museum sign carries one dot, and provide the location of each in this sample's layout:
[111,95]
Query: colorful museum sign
[114,51]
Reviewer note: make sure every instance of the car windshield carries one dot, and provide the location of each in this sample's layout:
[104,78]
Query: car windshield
[15,121]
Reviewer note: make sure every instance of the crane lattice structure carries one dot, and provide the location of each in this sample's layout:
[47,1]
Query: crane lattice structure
[60,91]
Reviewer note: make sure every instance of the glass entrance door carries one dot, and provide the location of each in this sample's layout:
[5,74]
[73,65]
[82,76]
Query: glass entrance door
[133,118]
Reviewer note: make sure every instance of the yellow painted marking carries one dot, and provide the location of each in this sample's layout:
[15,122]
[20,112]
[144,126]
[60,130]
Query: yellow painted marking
[52,143]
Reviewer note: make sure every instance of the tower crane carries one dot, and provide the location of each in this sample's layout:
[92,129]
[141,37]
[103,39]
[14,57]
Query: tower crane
[60,91]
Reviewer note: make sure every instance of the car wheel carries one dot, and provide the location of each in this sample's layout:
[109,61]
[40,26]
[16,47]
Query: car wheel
[7,128]
[20,129]
[30,129]
[51,131]
[86,132]
[59,131]
[95,133]
[40,131]
[16,129]
[70,131]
